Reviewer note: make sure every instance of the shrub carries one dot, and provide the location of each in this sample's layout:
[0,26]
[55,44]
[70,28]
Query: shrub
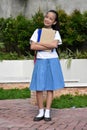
[68,54]
[23,34]
[64,21]
[37,19]
[9,34]
[16,32]
[73,29]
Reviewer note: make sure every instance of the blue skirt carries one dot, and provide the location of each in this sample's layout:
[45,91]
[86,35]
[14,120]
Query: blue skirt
[47,75]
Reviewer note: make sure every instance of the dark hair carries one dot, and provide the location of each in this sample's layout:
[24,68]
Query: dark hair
[56,26]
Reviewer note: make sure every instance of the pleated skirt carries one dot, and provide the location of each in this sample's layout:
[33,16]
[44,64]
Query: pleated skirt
[47,75]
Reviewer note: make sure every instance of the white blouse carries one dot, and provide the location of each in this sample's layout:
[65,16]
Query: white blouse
[46,54]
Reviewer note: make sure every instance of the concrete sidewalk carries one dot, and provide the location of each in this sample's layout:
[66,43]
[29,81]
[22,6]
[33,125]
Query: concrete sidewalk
[18,115]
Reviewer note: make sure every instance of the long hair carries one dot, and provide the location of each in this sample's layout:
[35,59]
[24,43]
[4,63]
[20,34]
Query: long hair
[56,26]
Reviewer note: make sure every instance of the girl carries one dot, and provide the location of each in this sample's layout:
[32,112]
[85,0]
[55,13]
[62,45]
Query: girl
[47,74]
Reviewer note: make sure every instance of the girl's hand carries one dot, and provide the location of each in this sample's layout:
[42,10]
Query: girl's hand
[38,46]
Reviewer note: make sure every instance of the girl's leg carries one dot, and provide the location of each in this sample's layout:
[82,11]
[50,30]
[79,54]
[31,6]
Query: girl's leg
[48,105]
[49,99]
[39,97]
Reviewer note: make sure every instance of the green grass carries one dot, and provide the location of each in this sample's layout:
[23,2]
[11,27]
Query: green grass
[70,101]
[64,101]
[14,93]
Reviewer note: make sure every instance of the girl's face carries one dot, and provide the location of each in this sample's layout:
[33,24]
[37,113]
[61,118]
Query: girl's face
[49,19]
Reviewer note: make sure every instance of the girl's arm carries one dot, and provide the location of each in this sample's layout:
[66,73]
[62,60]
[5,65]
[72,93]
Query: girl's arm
[38,46]
[54,44]
[51,45]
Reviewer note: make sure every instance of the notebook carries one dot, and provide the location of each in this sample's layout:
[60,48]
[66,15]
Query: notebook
[47,36]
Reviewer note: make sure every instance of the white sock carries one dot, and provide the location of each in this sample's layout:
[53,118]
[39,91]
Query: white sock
[47,113]
[41,113]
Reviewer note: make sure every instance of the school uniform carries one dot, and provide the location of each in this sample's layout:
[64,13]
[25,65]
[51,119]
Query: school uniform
[47,73]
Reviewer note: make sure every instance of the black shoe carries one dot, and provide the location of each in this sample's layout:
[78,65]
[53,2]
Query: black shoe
[38,118]
[47,118]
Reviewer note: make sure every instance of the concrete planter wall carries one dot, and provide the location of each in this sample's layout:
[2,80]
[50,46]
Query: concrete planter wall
[13,71]
[76,74]
[16,71]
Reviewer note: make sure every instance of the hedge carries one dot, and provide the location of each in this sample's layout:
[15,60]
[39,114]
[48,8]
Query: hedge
[16,32]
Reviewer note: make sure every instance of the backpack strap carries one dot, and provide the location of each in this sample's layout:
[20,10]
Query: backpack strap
[39,34]
[38,39]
